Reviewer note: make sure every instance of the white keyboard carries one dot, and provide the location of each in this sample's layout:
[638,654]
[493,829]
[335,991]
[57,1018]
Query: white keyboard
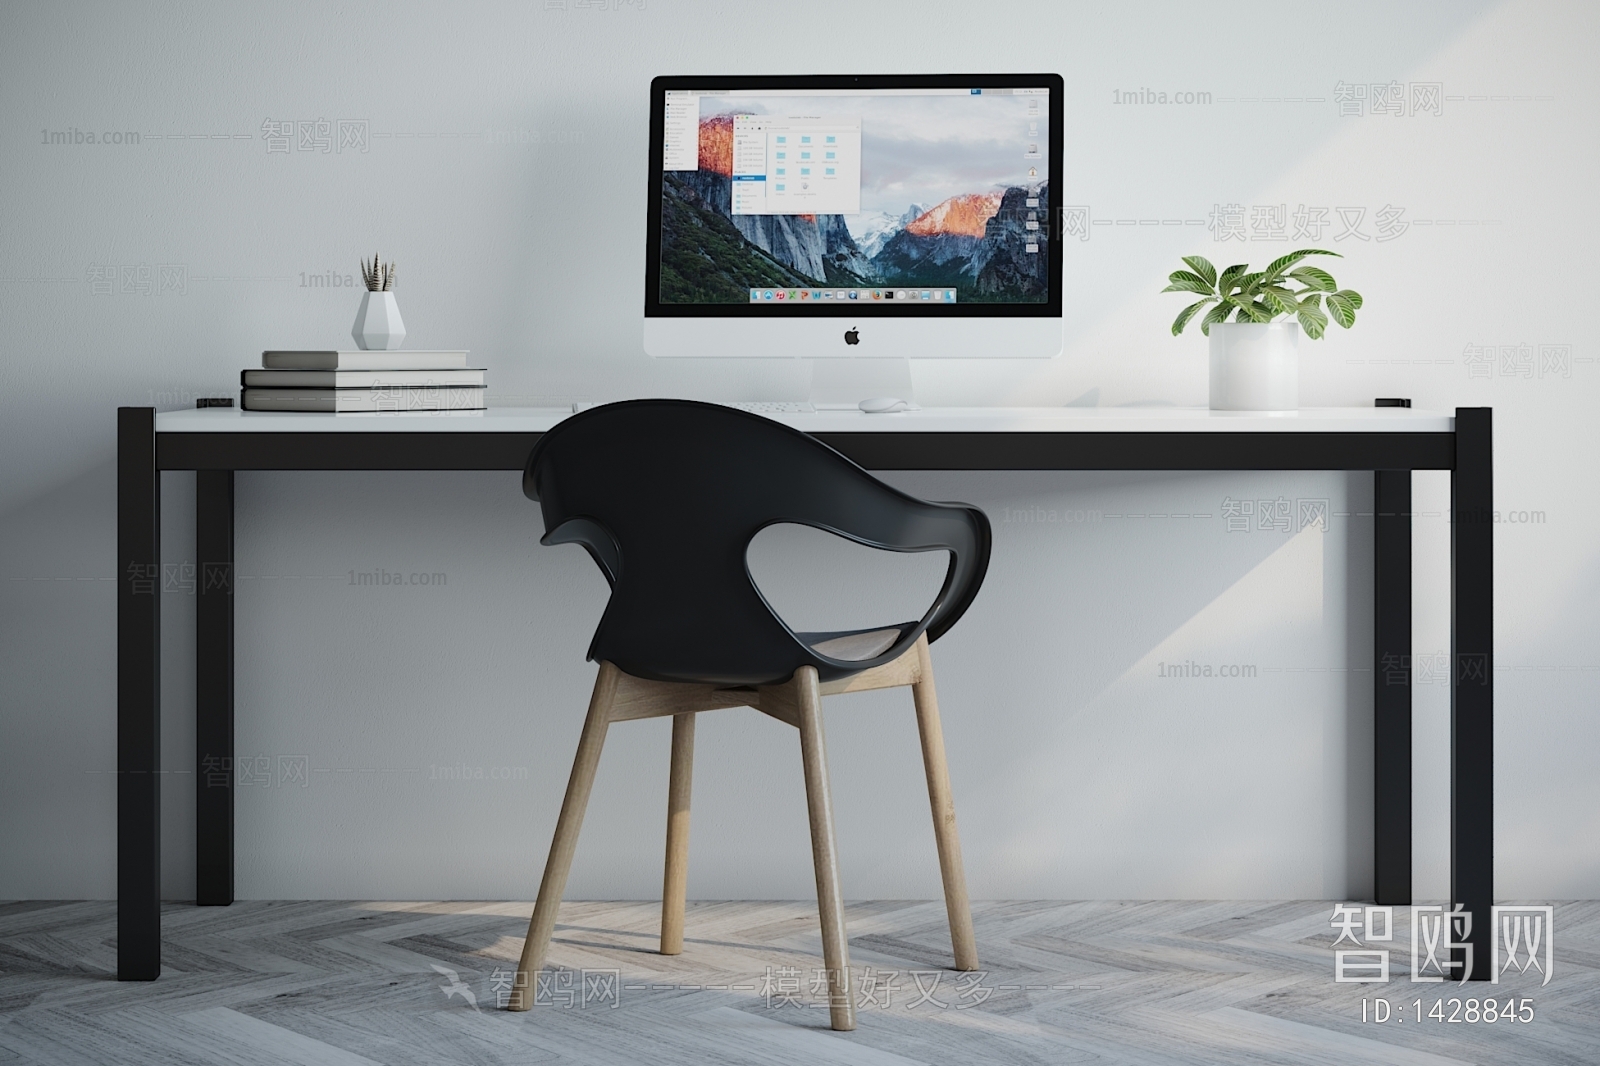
[775,407]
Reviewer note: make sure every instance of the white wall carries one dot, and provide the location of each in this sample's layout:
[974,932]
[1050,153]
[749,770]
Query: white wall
[506,171]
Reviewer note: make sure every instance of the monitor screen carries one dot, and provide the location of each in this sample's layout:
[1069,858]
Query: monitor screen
[857,196]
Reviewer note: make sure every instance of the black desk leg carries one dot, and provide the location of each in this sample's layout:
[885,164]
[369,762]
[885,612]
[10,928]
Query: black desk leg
[1391,697]
[214,771]
[1472,682]
[138,696]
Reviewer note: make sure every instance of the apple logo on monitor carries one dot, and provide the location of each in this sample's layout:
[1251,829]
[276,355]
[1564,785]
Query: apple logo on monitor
[852,336]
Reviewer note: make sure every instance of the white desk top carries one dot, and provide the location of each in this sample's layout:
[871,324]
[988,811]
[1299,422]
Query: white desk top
[928,420]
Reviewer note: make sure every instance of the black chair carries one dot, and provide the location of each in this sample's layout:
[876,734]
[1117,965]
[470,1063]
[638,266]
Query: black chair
[666,495]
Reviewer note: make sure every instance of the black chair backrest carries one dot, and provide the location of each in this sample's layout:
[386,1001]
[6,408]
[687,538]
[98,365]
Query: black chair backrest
[667,494]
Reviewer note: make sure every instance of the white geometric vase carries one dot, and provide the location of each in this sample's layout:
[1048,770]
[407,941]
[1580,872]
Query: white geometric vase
[378,326]
[1255,366]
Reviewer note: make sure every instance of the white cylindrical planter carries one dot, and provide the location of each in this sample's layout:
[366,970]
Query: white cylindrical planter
[1255,366]
[378,326]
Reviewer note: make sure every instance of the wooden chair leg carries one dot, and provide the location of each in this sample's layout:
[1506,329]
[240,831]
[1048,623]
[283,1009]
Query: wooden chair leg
[676,879]
[945,834]
[824,853]
[565,842]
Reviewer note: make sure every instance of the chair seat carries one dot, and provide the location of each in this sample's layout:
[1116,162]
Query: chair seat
[855,645]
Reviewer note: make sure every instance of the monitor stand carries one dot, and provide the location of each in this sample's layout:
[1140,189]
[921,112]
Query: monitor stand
[844,383]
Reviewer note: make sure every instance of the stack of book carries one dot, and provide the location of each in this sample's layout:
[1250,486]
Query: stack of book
[363,381]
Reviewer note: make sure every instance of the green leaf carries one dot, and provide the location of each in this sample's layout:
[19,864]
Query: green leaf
[1225,282]
[1248,310]
[1215,315]
[1248,283]
[1281,301]
[1187,313]
[1314,322]
[1313,302]
[1315,278]
[1282,263]
[1340,309]
[1183,281]
[1202,266]
[1352,296]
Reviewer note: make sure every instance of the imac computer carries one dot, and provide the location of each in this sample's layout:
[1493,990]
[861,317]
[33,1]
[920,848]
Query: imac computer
[900,217]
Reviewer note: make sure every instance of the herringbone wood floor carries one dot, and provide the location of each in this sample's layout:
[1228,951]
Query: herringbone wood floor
[1092,982]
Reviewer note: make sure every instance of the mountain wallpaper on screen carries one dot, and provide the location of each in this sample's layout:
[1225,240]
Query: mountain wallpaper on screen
[974,242]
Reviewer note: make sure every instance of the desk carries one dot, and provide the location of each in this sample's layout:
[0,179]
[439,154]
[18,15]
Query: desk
[1391,442]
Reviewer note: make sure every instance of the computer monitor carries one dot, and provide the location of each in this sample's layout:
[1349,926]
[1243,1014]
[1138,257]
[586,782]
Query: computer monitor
[887,216]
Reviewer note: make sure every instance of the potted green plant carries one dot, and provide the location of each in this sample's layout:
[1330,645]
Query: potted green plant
[1255,363]
[378,324]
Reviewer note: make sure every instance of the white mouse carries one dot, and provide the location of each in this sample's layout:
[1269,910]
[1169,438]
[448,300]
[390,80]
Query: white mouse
[883,405]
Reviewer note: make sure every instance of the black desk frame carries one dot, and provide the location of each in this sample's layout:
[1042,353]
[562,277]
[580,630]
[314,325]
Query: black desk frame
[1467,453]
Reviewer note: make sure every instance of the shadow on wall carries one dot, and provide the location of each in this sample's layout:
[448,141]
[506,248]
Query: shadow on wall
[1157,672]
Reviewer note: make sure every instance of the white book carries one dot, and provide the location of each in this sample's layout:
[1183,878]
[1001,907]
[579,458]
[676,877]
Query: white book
[397,398]
[356,379]
[360,360]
